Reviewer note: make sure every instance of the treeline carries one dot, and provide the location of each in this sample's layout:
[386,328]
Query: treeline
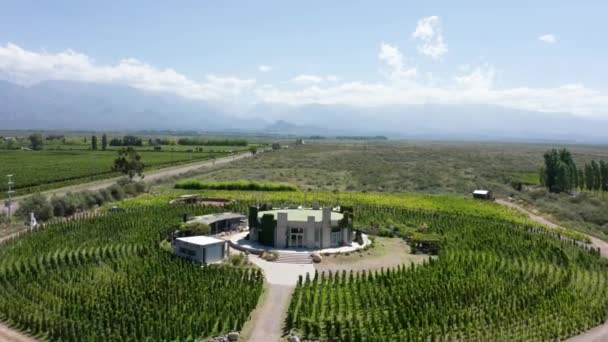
[560,173]
[127,140]
[377,137]
[212,142]
[74,202]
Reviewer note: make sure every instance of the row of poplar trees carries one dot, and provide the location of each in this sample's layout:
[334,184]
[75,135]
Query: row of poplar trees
[560,173]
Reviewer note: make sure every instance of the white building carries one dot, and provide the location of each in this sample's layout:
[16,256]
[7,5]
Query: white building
[204,249]
[301,228]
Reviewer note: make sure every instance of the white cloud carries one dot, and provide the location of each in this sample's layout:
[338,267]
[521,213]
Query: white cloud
[469,84]
[395,63]
[548,38]
[307,79]
[27,67]
[264,68]
[481,77]
[429,31]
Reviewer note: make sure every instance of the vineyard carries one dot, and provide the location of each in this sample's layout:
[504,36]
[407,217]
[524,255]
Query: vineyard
[42,170]
[494,280]
[104,278]
[497,277]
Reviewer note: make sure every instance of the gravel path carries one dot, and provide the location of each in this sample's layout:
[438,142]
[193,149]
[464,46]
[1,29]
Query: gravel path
[599,333]
[282,279]
[9,335]
[150,176]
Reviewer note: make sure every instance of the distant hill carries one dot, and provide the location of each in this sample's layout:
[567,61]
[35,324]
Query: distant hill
[94,106]
[80,105]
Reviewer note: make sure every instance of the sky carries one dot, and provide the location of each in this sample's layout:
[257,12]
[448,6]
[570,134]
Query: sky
[548,56]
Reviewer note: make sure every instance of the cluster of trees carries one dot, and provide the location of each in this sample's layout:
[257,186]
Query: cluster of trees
[127,140]
[161,142]
[559,173]
[212,142]
[72,203]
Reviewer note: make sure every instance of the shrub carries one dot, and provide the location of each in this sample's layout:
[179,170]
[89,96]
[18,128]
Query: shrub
[269,255]
[237,260]
[194,228]
[37,204]
[117,192]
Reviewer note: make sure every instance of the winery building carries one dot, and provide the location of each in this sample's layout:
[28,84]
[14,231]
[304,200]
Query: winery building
[301,228]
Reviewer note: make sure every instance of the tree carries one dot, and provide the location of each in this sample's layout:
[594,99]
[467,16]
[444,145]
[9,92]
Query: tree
[276,146]
[37,204]
[595,171]
[36,141]
[559,172]
[104,142]
[129,162]
[253,150]
[604,176]
[94,142]
[589,179]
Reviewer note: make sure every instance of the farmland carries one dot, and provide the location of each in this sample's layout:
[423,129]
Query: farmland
[496,276]
[494,280]
[105,279]
[429,167]
[47,169]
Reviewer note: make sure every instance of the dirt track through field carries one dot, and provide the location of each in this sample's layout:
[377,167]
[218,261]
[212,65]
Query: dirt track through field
[599,333]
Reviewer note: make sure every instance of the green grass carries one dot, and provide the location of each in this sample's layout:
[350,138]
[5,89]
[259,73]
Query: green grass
[193,184]
[526,178]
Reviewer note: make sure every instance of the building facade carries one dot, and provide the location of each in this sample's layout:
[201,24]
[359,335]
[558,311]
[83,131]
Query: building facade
[203,249]
[301,228]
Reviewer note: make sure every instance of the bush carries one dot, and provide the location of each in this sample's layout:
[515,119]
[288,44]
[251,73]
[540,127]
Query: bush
[37,204]
[117,192]
[4,218]
[237,260]
[166,246]
[269,255]
[194,228]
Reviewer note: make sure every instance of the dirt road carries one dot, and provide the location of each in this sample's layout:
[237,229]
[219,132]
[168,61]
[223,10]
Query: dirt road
[269,323]
[599,333]
[150,176]
[9,335]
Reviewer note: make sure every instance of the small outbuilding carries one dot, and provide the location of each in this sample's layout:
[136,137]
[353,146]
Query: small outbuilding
[483,195]
[203,249]
[222,222]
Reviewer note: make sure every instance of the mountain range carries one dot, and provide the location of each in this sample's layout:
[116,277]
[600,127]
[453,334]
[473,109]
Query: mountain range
[93,106]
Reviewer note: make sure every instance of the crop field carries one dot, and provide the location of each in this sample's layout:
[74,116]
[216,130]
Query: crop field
[105,278]
[429,167]
[497,277]
[42,170]
[494,280]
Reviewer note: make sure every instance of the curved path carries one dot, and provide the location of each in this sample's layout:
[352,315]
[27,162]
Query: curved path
[150,176]
[599,333]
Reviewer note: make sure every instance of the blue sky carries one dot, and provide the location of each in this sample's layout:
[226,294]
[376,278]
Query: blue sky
[475,51]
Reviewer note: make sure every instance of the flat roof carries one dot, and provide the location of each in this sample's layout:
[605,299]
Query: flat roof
[201,240]
[212,218]
[481,192]
[301,214]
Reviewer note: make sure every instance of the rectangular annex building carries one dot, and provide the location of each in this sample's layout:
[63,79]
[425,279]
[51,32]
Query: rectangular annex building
[203,249]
